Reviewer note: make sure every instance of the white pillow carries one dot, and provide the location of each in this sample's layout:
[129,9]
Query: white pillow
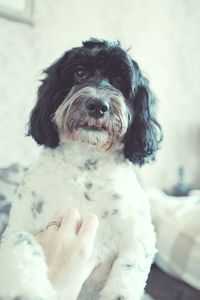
[177,223]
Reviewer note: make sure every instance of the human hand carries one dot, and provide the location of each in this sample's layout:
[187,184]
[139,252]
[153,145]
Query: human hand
[67,244]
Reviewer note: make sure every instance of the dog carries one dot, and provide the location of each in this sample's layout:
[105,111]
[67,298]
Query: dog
[95,117]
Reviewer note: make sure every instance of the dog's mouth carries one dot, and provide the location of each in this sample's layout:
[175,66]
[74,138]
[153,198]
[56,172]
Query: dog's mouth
[93,125]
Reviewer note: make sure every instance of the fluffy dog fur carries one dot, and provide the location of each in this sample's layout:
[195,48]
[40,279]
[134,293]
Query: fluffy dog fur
[95,118]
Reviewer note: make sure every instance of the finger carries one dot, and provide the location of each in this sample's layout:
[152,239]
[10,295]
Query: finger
[88,230]
[70,221]
[89,226]
[54,224]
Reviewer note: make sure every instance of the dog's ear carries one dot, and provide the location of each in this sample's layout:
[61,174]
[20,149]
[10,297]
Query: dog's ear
[50,94]
[144,134]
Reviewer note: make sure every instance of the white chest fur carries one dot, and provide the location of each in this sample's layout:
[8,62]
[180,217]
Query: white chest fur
[77,176]
[102,183]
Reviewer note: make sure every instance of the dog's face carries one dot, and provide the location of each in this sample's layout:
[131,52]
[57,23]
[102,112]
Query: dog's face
[96,108]
[96,94]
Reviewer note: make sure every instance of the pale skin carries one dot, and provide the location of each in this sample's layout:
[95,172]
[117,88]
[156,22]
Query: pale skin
[68,251]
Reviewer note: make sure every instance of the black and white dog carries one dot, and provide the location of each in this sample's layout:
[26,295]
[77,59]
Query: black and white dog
[95,118]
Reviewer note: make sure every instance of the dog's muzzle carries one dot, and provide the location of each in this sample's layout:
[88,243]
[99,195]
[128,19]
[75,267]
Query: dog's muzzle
[93,114]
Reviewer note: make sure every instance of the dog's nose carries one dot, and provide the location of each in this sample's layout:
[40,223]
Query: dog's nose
[97,107]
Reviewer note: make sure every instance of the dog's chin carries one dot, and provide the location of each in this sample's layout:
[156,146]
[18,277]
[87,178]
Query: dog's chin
[93,135]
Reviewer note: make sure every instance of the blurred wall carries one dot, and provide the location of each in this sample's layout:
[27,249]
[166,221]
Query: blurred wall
[165,40]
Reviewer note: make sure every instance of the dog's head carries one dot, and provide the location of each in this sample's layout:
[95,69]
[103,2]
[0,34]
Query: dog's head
[97,94]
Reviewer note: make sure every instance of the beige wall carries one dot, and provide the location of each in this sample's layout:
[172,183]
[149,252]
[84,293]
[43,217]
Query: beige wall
[165,40]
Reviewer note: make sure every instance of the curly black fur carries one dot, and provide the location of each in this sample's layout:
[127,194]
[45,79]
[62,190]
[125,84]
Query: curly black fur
[103,60]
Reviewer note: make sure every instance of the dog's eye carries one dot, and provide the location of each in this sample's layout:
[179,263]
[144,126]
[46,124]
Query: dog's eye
[80,73]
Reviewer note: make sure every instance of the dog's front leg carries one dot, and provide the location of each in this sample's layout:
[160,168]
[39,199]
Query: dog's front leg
[130,270]
[23,270]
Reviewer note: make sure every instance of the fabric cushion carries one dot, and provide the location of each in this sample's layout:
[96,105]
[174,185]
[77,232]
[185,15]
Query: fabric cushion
[162,286]
[177,223]
[10,178]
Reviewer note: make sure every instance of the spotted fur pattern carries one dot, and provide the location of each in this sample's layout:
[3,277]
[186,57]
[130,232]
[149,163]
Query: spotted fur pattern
[60,179]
